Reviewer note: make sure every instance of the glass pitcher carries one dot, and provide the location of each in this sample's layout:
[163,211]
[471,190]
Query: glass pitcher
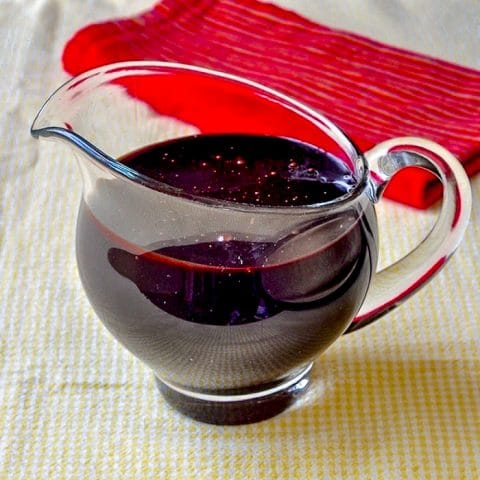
[228,301]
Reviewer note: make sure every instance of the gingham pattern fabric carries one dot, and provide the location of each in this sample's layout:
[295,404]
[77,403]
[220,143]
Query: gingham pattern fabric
[400,399]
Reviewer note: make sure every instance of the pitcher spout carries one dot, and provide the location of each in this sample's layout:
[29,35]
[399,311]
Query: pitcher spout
[87,150]
[69,116]
[94,115]
[77,141]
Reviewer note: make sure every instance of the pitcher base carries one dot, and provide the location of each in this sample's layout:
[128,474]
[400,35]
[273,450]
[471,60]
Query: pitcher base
[240,408]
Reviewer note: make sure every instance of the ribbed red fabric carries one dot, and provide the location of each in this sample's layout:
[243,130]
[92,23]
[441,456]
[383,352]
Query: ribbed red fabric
[371,90]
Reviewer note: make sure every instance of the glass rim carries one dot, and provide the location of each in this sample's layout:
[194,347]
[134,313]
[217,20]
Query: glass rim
[318,119]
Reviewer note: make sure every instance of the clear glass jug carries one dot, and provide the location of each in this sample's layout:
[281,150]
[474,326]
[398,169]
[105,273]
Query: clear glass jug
[229,302]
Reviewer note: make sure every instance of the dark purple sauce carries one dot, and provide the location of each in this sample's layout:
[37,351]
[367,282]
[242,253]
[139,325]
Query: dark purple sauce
[258,170]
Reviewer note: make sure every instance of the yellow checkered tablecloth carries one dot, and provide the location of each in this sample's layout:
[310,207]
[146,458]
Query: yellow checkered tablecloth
[400,399]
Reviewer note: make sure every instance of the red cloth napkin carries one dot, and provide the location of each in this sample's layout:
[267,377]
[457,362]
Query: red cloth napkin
[371,90]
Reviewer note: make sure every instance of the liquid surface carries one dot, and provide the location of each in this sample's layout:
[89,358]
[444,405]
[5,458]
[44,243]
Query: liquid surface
[259,170]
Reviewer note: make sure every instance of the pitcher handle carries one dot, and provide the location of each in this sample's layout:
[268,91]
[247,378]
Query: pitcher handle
[395,283]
